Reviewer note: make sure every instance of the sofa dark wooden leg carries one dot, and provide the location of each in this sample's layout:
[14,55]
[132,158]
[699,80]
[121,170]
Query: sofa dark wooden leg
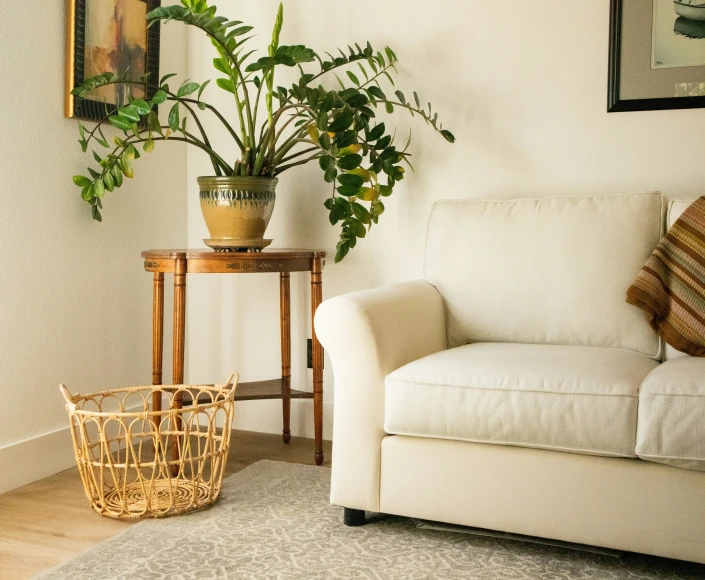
[353,517]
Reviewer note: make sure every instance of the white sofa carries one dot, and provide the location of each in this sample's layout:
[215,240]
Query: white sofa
[515,389]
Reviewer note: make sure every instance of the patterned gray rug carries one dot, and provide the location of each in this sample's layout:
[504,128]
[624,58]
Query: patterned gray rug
[274,521]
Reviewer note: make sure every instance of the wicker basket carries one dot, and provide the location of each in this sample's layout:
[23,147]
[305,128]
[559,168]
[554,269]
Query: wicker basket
[138,463]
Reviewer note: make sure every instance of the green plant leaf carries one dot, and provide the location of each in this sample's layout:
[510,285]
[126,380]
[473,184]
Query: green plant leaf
[324,141]
[297,53]
[166,78]
[174,117]
[376,133]
[131,152]
[200,91]
[159,97]
[108,181]
[385,190]
[240,31]
[383,143]
[100,138]
[350,162]
[377,92]
[346,139]
[187,88]
[126,166]
[389,108]
[368,194]
[226,85]
[448,136]
[341,251]
[342,121]
[348,190]
[116,170]
[153,123]
[130,113]
[330,175]
[149,145]
[119,122]
[351,179]
[220,64]
[98,188]
[358,228]
[377,207]
[390,154]
[353,78]
[81,181]
[326,162]
[361,213]
[141,107]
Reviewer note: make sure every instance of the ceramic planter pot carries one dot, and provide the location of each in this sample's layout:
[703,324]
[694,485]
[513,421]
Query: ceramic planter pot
[237,211]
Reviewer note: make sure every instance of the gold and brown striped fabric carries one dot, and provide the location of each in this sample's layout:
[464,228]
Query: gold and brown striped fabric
[671,286]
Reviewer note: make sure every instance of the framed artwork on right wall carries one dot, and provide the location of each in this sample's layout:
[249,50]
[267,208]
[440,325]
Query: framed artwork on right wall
[657,55]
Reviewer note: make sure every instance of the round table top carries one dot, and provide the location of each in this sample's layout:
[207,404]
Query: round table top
[205,260]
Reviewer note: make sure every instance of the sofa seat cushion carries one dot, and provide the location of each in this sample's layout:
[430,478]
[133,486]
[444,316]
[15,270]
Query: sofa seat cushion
[671,425]
[566,398]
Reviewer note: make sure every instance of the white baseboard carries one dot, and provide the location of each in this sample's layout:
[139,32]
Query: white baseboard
[27,461]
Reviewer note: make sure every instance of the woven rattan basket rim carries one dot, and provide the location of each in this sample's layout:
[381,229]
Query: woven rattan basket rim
[148,414]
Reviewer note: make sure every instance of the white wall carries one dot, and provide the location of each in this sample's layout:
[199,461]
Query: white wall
[75,302]
[523,87]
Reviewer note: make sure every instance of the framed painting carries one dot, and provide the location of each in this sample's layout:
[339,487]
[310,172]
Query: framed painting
[657,55]
[109,36]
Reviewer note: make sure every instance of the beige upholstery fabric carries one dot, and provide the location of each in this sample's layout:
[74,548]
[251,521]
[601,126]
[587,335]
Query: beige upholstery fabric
[568,398]
[672,414]
[624,504]
[367,335]
[549,271]
[675,209]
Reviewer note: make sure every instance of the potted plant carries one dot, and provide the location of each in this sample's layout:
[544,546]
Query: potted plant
[337,128]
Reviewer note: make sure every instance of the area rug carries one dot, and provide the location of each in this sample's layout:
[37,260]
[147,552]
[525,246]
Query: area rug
[274,521]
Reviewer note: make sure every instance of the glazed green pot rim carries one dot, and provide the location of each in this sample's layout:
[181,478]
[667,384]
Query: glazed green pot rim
[237,182]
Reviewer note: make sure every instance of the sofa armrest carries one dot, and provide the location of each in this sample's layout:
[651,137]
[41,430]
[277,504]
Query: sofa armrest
[368,335]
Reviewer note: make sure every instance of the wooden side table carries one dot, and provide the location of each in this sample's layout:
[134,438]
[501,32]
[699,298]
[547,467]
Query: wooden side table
[284,261]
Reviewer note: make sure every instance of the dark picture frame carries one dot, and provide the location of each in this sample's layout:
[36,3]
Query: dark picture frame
[616,101]
[75,61]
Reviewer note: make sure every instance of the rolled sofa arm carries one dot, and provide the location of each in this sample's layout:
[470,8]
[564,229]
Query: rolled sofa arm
[368,335]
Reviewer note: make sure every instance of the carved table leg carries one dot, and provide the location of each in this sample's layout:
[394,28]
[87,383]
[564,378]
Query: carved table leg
[179,344]
[157,340]
[285,320]
[316,298]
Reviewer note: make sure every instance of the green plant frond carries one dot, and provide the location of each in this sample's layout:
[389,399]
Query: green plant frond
[338,129]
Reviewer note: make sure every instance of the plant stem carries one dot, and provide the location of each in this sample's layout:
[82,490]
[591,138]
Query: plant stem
[298,154]
[270,132]
[215,158]
[410,108]
[222,119]
[288,147]
[214,161]
[290,165]
[292,140]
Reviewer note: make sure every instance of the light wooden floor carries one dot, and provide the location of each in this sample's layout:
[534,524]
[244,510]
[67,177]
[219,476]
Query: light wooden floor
[49,521]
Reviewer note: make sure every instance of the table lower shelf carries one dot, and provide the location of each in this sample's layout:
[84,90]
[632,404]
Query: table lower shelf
[259,390]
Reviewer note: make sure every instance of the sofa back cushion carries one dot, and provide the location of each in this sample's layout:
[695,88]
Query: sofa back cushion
[675,210]
[548,271]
